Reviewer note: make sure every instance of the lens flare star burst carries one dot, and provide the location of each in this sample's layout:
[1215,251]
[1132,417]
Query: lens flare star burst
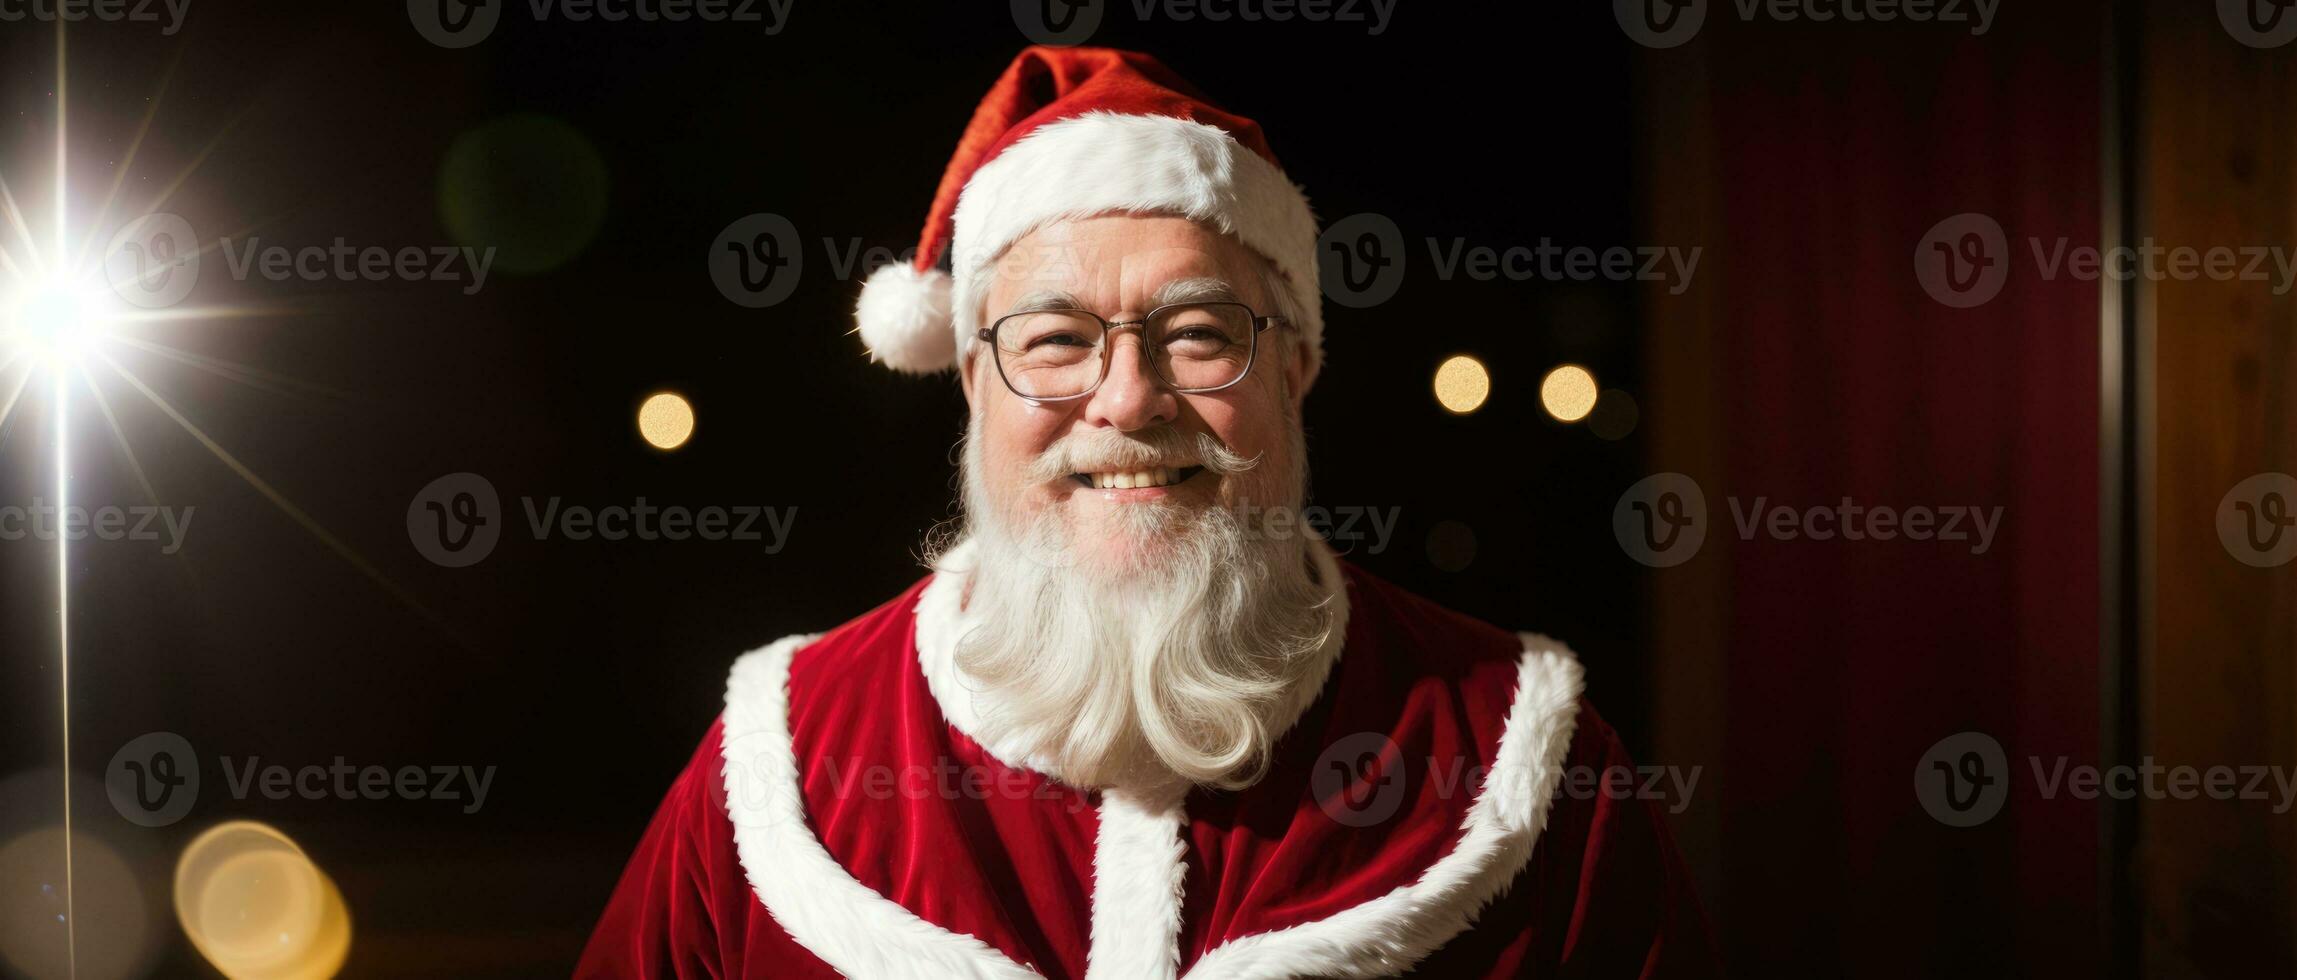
[75,304]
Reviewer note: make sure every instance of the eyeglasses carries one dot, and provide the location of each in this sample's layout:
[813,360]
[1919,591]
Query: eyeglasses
[1061,354]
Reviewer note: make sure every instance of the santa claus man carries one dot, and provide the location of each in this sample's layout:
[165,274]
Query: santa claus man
[1136,723]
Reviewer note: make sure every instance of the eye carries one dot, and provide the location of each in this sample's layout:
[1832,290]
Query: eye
[1059,340]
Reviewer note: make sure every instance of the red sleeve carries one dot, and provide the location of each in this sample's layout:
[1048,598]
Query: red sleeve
[1634,909]
[667,918]
[1606,893]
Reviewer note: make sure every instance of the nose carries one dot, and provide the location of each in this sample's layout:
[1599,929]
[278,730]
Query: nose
[1131,398]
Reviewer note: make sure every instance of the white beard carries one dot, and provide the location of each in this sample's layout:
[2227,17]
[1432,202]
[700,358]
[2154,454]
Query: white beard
[1187,662]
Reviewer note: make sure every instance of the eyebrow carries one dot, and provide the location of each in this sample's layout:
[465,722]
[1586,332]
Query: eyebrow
[1198,290]
[1202,289]
[1046,299]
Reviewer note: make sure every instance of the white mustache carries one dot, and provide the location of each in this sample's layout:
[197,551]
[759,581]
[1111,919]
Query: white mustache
[1104,450]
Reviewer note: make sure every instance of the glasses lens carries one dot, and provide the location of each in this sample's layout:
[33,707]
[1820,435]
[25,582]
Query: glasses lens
[1053,354]
[1202,345]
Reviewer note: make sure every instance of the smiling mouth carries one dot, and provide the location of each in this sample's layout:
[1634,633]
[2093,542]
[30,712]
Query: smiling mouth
[1136,479]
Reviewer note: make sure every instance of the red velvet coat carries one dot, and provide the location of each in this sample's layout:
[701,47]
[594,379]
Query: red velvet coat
[1440,804]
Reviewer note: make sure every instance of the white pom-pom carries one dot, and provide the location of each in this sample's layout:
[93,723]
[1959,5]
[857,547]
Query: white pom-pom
[904,319]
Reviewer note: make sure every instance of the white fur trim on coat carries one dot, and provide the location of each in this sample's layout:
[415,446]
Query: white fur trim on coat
[864,934]
[852,928]
[1105,162]
[1140,865]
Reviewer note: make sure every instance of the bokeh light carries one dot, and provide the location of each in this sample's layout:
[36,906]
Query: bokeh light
[1462,384]
[114,933]
[1451,546]
[1568,392]
[666,420]
[1615,415]
[256,907]
[528,185]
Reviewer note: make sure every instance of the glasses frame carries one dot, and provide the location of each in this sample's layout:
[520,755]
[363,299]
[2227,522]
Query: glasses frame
[1260,325]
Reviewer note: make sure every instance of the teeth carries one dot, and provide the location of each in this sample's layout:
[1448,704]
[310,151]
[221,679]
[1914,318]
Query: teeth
[1162,477]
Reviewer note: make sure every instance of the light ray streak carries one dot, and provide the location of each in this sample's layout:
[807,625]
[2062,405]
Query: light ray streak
[64,656]
[120,436]
[127,163]
[63,497]
[23,231]
[249,375]
[297,514]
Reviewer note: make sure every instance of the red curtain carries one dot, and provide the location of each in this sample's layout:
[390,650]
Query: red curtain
[1836,148]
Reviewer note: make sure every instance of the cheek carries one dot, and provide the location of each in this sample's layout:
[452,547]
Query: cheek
[1255,426]
[1013,434]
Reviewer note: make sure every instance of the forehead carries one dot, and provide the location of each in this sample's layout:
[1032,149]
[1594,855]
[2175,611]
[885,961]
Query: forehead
[1118,261]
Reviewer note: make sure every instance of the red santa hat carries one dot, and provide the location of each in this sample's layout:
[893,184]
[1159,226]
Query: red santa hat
[1071,133]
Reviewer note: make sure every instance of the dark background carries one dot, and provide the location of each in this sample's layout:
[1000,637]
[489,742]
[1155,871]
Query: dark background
[2106,627]
[585,671]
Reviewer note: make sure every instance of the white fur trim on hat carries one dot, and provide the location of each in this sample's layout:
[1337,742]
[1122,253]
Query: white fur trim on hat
[1103,162]
[903,316]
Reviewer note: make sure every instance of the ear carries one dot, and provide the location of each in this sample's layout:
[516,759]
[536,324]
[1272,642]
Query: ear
[965,379]
[1295,369]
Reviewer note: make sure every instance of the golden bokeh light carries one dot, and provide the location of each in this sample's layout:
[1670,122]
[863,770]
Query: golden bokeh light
[1462,384]
[666,420]
[114,936]
[1568,392]
[255,906]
